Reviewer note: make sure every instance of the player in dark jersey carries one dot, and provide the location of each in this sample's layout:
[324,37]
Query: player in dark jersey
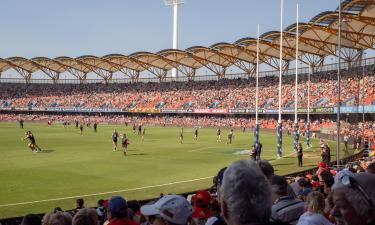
[196,134]
[134,128]
[95,127]
[81,129]
[124,142]
[76,124]
[230,137]
[139,129]
[21,123]
[32,143]
[218,135]
[181,135]
[143,134]
[114,139]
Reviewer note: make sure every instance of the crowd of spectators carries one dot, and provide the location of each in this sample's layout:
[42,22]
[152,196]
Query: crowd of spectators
[356,89]
[246,192]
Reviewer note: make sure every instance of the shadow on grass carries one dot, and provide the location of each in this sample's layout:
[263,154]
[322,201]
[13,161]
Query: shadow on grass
[47,151]
[136,154]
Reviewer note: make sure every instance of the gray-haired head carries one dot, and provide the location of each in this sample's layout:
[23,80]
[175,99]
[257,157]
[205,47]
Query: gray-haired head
[358,194]
[246,194]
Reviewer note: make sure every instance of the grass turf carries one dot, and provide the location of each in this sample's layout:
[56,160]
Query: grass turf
[72,165]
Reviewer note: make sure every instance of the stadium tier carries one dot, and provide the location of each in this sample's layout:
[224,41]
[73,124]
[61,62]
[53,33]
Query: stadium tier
[223,96]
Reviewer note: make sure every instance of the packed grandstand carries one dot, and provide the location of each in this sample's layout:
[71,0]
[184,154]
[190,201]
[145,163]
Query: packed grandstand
[331,193]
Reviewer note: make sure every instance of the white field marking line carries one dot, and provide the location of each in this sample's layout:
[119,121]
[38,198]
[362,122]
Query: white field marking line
[199,149]
[108,192]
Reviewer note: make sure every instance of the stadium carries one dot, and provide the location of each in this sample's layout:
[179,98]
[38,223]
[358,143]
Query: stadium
[294,129]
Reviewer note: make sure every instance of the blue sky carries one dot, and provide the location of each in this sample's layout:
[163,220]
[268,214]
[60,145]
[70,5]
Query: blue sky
[52,28]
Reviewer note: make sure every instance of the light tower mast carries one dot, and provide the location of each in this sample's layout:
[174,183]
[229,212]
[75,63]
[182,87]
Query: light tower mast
[175,4]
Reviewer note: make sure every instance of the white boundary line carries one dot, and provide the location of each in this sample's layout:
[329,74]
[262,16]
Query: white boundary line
[104,193]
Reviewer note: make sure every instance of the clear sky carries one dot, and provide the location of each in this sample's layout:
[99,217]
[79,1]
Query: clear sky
[52,28]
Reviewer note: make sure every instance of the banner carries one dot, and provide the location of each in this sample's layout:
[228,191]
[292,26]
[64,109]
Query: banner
[214,111]
[176,110]
[324,110]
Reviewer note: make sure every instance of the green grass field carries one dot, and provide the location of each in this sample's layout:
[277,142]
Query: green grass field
[73,166]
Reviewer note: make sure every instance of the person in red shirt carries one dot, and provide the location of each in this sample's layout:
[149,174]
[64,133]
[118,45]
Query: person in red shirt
[118,212]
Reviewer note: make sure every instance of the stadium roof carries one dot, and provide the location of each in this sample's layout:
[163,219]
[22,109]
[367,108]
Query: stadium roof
[317,39]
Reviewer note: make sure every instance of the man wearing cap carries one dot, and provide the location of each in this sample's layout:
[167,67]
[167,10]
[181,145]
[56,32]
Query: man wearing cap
[201,201]
[285,208]
[353,198]
[216,218]
[168,210]
[118,212]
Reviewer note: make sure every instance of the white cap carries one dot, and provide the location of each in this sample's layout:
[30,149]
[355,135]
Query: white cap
[173,208]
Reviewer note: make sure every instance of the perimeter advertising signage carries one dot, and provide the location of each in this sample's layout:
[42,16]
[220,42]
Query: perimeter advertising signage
[213,111]
[176,110]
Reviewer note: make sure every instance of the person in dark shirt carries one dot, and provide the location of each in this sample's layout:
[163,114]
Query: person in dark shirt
[21,123]
[299,154]
[124,142]
[181,135]
[81,129]
[32,143]
[95,127]
[114,139]
[218,135]
[196,134]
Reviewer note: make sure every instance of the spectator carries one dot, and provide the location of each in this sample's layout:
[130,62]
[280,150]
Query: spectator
[286,208]
[31,219]
[371,168]
[58,218]
[314,210]
[101,211]
[169,210]
[353,198]
[79,205]
[85,217]
[245,194]
[118,212]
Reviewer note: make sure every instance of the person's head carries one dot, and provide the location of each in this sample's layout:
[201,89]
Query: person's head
[300,145]
[302,182]
[57,209]
[371,168]
[245,194]
[279,186]
[202,199]
[266,168]
[353,198]
[134,205]
[31,219]
[58,218]
[218,180]
[117,207]
[85,217]
[80,203]
[101,203]
[168,210]
[315,202]
[328,181]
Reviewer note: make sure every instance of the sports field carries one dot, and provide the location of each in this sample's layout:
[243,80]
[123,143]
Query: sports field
[73,166]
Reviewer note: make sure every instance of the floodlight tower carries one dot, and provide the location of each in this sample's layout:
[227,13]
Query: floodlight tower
[175,4]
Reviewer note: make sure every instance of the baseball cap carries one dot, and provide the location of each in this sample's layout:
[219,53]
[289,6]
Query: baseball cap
[201,201]
[219,177]
[323,164]
[173,208]
[117,204]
